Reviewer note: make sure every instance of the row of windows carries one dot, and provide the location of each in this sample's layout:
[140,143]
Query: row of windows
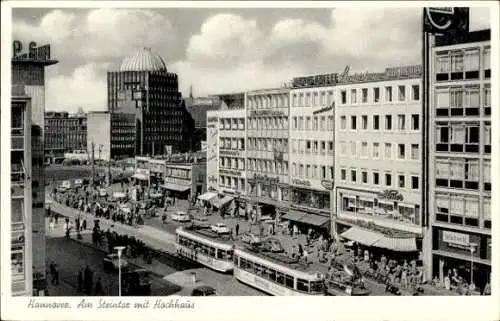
[205,249]
[462,101]
[268,166]
[463,137]
[313,123]
[462,173]
[268,144]
[232,182]
[312,171]
[399,180]
[453,64]
[268,101]
[232,123]
[260,123]
[310,198]
[313,99]
[402,124]
[232,143]
[403,151]
[301,146]
[462,210]
[364,96]
[232,163]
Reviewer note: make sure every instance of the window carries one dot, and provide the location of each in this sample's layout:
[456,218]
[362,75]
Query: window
[414,152]
[364,176]
[364,122]
[343,122]
[415,122]
[376,150]
[376,94]
[401,181]
[353,122]
[364,149]
[388,151]
[343,96]
[388,122]
[414,182]
[323,172]
[343,148]
[364,95]
[415,92]
[315,122]
[301,170]
[376,122]
[322,123]
[343,174]
[376,177]
[388,94]
[353,149]
[308,123]
[353,175]
[308,99]
[487,138]
[308,146]
[487,62]
[487,212]
[487,101]
[388,179]
[294,119]
[294,169]
[353,96]
[443,63]
[330,123]
[401,122]
[401,93]
[487,175]
[315,146]
[308,171]
[401,151]
[457,61]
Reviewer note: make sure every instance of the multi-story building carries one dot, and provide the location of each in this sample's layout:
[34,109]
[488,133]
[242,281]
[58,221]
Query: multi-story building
[144,87]
[63,133]
[28,70]
[378,161]
[460,156]
[198,108]
[312,151]
[111,135]
[21,211]
[268,185]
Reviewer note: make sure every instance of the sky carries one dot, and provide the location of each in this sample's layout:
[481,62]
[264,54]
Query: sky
[218,50]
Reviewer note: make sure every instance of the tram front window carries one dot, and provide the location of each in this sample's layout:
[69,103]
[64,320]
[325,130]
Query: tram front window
[302,285]
[317,286]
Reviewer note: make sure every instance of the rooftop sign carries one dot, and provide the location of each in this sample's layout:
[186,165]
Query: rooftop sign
[34,53]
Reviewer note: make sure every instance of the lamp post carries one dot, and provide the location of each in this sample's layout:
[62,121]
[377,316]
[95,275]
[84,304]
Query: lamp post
[472,249]
[120,250]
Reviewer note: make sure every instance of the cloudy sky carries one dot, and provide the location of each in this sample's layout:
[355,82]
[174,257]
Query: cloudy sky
[218,50]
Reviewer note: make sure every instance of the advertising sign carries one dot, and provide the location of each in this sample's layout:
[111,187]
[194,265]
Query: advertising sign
[391,195]
[456,238]
[314,81]
[444,20]
[34,53]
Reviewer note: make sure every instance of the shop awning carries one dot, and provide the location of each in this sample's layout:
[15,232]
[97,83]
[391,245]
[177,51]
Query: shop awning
[397,244]
[175,187]
[219,202]
[141,177]
[207,196]
[293,216]
[315,220]
[362,236]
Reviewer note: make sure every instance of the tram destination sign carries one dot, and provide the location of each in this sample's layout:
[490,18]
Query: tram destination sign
[446,20]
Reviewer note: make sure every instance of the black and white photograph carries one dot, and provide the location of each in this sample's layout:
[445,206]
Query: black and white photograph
[246,149]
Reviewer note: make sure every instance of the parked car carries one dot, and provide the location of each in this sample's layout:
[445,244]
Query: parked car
[220,228]
[250,238]
[203,290]
[111,262]
[272,245]
[180,216]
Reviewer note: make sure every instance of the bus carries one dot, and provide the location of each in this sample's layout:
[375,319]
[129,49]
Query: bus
[275,273]
[206,248]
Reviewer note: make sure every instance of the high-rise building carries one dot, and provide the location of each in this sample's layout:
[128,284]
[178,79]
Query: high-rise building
[28,70]
[460,156]
[144,87]
[64,133]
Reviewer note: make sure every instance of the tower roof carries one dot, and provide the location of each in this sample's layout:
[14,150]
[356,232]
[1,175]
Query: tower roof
[143,59]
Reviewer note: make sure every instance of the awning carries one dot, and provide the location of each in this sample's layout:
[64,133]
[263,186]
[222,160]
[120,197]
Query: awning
[141,177]
[397,244]
[365,237]
[293,216]
[175,187]
[219,202]
[315,220]
[207,196]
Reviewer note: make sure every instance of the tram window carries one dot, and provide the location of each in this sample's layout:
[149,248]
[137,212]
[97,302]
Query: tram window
[316,286]
[271,275]
[280,278]
[289,281]
[228,255]
[220,254]
[259,269]
[211,252]
[302,285]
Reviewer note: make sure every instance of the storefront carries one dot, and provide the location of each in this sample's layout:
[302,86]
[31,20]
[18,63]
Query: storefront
[157,169]
[142,177]
[462,250]
[268,195]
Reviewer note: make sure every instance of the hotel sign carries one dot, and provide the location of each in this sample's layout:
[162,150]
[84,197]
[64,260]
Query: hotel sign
[313,81]
[34,53]
[267,112]
[391,195]
[446,19]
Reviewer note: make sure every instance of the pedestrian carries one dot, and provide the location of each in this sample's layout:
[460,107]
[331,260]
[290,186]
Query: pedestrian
[88,280]
[84,224]
[98,288]
[80,280]
[237,228]
[301,250]
[56,275]
[57,217]
[52,269]
[305,256]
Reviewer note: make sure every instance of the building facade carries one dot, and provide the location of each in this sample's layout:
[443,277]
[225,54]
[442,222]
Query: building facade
[460,156]
[267,120]
[28,70]
[312,149]
[21,194]
[378,161]
[144,87]
[64,133]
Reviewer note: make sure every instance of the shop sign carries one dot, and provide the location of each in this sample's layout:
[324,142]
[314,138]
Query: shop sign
[324,109]
[229,152]
[404,71]
[266,179]
[446,19]
[303,182]
[267,112]
[313,81]
[142,171]
[391,195]
[34,53]
[327,184]
[457,239]
[229,172]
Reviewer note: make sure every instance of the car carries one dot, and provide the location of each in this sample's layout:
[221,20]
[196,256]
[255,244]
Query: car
[250,238]
[180,216]
[66,184]
[272,245]
[111,262]
[203,290]
[220,228]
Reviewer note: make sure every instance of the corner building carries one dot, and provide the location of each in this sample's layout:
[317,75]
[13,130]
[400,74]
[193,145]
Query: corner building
[312,152]
[64,133]
[378,162]
[460,157]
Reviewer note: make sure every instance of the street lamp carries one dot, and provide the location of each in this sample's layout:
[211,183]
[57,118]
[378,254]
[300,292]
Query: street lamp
[472,249]
[120,250]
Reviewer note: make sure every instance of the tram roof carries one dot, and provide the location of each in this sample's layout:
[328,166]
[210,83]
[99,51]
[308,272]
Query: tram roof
[208,237]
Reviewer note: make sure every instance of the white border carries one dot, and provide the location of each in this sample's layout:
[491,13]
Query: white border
[251,308]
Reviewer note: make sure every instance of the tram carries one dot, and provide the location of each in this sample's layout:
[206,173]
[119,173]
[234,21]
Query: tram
[203,247]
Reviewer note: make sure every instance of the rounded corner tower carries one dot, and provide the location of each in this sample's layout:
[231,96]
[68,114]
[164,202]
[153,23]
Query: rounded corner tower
[143,59]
